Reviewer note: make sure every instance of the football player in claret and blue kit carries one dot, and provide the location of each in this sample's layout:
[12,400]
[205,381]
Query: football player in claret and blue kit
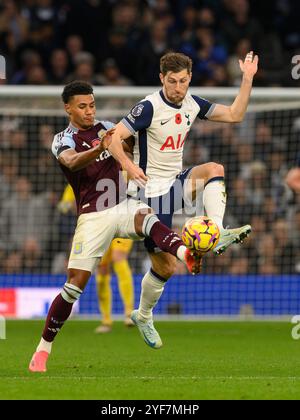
[104,211]
[161,123]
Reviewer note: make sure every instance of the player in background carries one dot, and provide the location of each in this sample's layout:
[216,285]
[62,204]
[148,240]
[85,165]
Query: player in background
[116,257]
[103,208]
[161,123]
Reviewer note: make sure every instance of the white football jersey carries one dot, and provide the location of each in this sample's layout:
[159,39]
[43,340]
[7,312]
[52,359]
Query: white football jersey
[161,129]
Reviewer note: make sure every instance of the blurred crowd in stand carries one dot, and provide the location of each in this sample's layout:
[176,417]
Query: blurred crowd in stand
[109,42]
[35,230]
[119,43]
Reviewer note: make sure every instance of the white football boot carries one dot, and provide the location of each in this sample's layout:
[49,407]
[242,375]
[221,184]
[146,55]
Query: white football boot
[231,236]
[147,330]
[103,329]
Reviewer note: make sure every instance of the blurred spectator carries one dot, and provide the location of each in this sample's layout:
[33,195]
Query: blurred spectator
[244,159]
[207,31]
[270,210]
[111,75]
[29,59]
[117,48]
[59,67]
[95,14]
[284,250]
[240,265]
[12,21]
[188,23]
[239,203]
[258,183]
[31,254]
[267,268]
[239,24]
[266,247]
[84,69]
[37,76]
[46,135]
[151,51]
[8,173]
[233,66]
[295,229]
[74,45]
[17,218]
[208,55]
[16,145]
[12,263]
[263,143]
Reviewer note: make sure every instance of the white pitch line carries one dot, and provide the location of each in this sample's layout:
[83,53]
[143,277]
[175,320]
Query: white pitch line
[240,378]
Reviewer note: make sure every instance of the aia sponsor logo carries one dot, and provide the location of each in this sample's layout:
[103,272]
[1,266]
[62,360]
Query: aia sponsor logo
[174,143]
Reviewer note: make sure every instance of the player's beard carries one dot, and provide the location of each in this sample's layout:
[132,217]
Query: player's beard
[176,98]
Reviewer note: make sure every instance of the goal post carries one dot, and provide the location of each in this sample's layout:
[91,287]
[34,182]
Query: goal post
[257,278]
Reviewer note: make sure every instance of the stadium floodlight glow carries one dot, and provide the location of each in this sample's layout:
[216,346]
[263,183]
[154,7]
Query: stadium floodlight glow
[2,328]
[2,67]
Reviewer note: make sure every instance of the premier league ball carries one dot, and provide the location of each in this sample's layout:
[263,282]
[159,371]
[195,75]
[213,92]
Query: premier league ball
[200,234]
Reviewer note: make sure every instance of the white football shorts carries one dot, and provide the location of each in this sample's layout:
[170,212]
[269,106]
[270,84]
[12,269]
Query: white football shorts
[95,231]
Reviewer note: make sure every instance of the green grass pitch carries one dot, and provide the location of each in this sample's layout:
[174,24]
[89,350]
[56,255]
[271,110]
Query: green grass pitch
[199,360]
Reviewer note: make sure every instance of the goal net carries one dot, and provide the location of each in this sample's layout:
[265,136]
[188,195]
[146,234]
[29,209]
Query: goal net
[258,278]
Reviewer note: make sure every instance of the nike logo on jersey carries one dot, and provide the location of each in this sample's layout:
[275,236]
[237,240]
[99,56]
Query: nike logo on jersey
[163,122]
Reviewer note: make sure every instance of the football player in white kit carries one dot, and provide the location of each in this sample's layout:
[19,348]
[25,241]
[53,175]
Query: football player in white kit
[161,123]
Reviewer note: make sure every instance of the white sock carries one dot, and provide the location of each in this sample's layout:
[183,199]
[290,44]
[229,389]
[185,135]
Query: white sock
[181,252]
[44,346]
[214,200]
[152,289]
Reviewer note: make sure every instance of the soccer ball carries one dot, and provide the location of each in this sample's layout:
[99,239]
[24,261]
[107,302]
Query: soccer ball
[200,234]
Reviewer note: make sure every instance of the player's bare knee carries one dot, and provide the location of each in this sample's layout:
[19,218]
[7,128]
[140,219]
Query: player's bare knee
[139,219]
[78,278]
[215,169]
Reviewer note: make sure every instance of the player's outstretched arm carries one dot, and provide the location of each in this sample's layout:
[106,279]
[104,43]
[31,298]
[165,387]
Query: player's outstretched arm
[236,112]
[76,161]
[116,149]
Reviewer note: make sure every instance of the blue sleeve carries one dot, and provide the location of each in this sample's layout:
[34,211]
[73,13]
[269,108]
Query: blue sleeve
[140,117]
[61,142]
[205,107]
[107,124]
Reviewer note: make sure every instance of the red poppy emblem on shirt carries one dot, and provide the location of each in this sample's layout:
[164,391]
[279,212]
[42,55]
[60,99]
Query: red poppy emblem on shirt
[96,142]
[178,119]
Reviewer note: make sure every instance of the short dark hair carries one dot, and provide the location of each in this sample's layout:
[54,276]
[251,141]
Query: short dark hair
[175,62]
[76,87]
